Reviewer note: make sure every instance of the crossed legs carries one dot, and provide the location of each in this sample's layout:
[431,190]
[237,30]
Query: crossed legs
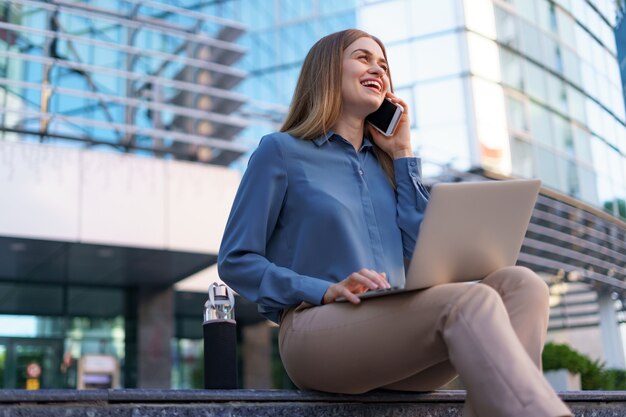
[490,333]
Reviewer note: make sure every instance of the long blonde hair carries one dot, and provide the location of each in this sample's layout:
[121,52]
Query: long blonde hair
[316,103]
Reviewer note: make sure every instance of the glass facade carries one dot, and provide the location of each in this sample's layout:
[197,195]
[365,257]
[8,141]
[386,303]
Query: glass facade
[279,34]
[144,77]
[526,88]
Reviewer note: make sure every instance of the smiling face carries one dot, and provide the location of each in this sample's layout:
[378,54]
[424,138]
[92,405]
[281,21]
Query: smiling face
[365,78]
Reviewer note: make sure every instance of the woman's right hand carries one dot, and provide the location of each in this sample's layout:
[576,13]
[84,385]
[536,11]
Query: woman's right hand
[356,283]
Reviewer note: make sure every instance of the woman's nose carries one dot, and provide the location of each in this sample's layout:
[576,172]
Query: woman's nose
[377,69]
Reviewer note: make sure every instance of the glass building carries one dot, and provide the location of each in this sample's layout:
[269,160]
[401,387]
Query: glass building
[149,77]
[497,89]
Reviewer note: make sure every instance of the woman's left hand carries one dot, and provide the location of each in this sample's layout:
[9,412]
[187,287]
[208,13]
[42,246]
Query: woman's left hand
[398,145]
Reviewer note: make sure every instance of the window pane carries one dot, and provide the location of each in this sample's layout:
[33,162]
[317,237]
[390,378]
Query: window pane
[545,163]
[376,19]
[483,57]
[581,144]
[556,93]
[437,56]
[551,54]
[401,64]
[616,163]
[290,10]
[511,66]
[527,8]
[534,82]
[563,137]
[572,183]
[530,39]
[431,16]
[576,103]
[440,103]
[516,113]
[521,158]
[506,27]
[594,117]
[544,16]
[600,156]
[588,190]
[571,66]
[566,27]
[540,125]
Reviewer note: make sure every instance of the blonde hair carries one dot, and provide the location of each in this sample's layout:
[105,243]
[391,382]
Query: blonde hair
[316,103]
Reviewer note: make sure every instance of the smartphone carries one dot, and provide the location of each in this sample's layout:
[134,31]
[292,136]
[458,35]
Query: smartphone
[386,118]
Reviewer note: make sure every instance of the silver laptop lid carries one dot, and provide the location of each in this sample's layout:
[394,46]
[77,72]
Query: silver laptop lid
[470,230]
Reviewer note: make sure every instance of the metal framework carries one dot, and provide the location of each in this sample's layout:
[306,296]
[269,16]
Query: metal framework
[162,85]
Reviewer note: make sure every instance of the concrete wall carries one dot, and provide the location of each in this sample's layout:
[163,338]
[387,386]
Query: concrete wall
[69,194]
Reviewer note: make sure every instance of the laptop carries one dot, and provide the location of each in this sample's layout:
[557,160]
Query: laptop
[469,230]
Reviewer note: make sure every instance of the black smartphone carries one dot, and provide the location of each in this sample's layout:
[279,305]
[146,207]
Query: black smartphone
[386,118]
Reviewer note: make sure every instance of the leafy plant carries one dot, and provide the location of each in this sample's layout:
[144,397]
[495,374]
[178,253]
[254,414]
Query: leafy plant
[593,374]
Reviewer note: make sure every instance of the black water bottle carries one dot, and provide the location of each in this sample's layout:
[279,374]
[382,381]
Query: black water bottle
[220,339]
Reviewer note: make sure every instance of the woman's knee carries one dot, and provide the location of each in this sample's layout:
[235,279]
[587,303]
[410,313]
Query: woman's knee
[531,283]
[477,297]
[516,278]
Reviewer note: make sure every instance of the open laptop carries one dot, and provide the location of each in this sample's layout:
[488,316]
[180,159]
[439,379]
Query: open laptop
[469,230]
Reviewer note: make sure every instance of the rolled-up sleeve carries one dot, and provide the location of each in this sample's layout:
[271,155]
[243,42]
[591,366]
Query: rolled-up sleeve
[412,200]
[242,261]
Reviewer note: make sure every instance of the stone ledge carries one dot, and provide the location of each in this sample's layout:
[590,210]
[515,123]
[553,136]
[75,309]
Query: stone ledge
[253,395]
[245,403]
[242,395]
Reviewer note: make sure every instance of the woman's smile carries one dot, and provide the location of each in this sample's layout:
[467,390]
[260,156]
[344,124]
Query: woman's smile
[373,84]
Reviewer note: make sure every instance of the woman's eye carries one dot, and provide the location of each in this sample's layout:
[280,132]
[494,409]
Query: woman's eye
[385,68]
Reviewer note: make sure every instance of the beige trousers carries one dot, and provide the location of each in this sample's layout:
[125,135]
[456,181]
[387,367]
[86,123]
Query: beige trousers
[491,334]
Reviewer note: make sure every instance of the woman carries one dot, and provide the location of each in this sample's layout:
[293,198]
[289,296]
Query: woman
[331,208]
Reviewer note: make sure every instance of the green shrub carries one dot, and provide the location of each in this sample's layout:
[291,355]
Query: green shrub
[593,374]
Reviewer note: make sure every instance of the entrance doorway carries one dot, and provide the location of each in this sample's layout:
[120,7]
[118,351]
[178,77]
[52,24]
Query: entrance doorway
[16,354]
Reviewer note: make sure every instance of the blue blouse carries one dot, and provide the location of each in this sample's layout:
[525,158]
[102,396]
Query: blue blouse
[308,213]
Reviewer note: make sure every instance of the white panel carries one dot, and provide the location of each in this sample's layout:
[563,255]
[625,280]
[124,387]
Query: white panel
[386,20]
[39,191]
[447,145]
[123,200]
[480,18]
[484,57]
[401,64]
[433,16]
[440,103]
[491,125]
[432,61]
[200,198]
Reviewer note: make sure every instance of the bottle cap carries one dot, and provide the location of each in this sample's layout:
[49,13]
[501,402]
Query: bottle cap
[221,303]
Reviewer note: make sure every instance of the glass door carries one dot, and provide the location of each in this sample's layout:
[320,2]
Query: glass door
[34,359]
